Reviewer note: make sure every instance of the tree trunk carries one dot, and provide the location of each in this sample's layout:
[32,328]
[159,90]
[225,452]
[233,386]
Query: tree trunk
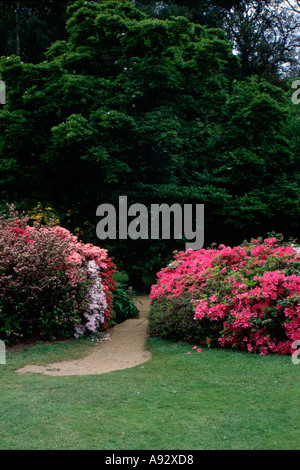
[18,30]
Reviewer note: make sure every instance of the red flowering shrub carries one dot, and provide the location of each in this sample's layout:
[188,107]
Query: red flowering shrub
[245,297]
[51,285]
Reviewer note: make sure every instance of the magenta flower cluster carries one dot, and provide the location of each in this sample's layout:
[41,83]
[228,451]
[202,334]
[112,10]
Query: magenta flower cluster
[247,296]
[51,284]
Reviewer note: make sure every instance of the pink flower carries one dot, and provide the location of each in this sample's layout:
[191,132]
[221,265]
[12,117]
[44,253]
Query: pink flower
[199,350]
[250,292]
[75,257]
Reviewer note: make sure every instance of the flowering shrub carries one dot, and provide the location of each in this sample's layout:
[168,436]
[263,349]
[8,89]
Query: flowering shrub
[96,306]
[94,260]
[44,214]
[51,284]
[244,297]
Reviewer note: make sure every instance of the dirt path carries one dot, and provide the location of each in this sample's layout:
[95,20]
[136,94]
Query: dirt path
[125,348]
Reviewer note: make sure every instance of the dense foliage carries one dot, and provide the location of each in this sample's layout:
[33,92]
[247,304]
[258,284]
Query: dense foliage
[263,31]
[51,285]
[28,27]
[123,307]
[155,109]
[245,297]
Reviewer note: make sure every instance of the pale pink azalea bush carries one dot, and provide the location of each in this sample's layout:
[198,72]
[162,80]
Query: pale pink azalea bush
[245,297]
[100,269]
[96,307]
[51,285]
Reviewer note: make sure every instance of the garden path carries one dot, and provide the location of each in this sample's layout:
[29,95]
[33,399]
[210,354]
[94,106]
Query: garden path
[124,348]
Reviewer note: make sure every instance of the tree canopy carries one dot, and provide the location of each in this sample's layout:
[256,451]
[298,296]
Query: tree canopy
[158,110]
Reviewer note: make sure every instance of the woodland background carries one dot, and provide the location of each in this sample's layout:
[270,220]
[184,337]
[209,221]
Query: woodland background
[164,102]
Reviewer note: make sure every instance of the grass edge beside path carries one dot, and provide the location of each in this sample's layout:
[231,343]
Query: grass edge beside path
[214,400]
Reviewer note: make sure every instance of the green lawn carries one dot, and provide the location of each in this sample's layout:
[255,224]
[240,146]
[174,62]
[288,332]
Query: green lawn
[217,399]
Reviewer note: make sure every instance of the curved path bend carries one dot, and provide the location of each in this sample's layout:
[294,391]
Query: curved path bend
[125,348]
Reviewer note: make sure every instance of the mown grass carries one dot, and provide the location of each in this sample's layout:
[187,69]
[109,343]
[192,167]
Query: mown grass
[217,399]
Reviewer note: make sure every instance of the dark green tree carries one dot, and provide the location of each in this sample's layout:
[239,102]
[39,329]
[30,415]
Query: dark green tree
[152,109]
[28,27]
[265,33]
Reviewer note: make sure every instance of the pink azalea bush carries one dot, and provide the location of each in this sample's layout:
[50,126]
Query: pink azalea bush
[51,285]
[245,297]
